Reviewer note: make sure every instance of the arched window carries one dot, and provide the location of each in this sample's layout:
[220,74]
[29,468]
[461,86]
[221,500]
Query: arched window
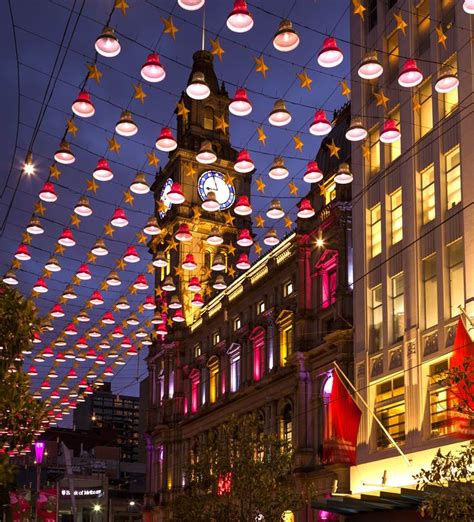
[195,378]
[213,379]
[327,266]
[208,120]
[257,338]
[286,424]
[207,259]
[285,325]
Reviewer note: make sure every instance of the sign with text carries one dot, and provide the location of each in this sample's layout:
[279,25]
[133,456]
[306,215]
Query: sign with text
[82,492]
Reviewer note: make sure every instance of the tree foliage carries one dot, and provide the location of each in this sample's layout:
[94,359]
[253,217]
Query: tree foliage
[237,473]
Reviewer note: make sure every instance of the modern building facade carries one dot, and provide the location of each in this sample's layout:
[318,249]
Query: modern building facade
[413,220]
[264,343]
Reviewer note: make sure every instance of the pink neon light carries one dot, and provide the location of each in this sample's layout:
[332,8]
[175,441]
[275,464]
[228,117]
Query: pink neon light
[195,393]
[258,347]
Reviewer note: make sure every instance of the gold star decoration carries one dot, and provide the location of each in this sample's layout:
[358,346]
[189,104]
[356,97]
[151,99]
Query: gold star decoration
[26,238]
[158,291]
[172,245]
[365,150]
[305,80]
[358,9]
[206,273]
[16,263]
[333,149]
[181,109]
[164,308]
[132,290]
[76,281]
[122,5]
[288,222]
[189,170]
[161,206]
[94,72]
[59,249]
[92,185]
[128,197]
[207,291]
[231,249]
[259,221]
[54,172]
[178,271]
[40,208]
[169,27]
[153,159]
[108,230]
[75,221]
[141,238]
[229,218]
[169,321]
[221,124]
[231,272]
[298,143]
[46,274]
[140,309]
[381,99]
[71,127]
[416,103]
[229,179]
[196,213]
[293,189]
[258,249]
[91,258]
[217,49]
[401,24]
[261,66]
[139,93]
[120,264]
[260,185]
[345,91]
[262,137]
[441,36]
[150,268]
[104,286]
[114,145]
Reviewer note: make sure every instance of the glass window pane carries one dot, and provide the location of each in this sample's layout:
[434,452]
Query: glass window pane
[430,291]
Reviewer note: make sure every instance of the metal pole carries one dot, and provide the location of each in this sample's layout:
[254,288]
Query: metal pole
[38,484]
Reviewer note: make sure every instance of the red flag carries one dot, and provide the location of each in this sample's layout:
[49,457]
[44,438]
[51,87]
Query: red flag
[461,394]
[20,505]
[46,505]
[341,425]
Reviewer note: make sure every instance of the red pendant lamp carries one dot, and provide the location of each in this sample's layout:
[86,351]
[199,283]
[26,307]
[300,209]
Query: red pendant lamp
[191,5]
[108,318]
[390,132]
[175,195]
[194,285]
[84,273]
[119,219]
[48,193]
[244,163]
[152,70]
[66,239]
[240,104]
[183,233]
[245,239]
[189,263]
[306,210]
[57,311]
[140,282]
[131,255]
[96,298]
[166,142]
[40,286]
[149,303]
[330,55]
[410,75]
[313,173]
[243,262]
[321,125]
[22,253]
[240,19]
[82,105]
[243,207]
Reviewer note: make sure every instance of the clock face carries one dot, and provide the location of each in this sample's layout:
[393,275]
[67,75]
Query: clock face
[166,202]
[214,181]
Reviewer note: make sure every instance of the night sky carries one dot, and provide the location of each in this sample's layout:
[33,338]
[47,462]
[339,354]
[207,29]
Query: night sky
[39,29]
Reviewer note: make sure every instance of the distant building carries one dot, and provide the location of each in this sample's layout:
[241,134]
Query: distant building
[117,413]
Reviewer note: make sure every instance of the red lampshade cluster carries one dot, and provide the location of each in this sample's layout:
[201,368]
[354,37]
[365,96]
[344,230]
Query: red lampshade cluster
[152,70]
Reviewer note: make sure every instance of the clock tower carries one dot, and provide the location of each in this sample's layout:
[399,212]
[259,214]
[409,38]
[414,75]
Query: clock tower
[200,121]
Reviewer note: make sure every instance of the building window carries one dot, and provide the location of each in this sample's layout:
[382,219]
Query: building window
[286,424]
[428,202]
[393,51]
[390,410]
[375,230]
[374,152]
[398,307]
[447,12]
[453,177]
[393,150]
[396,221]
[171,385]
[258,348]
[213,379]
[439,414]
[216,338]
[195,381]
[197,350]
[236,323]
[207,259]
[424,96]
[260,307]
[165,270]
[430,291]
[376,313]
[327,266]
[234,359]
[285,325]
[456,276]
[449,101]
[329,192]
[287,288]
[371,14]
[423,26]
[208,118]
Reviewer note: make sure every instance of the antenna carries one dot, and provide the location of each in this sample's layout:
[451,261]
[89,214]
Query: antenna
[203,41]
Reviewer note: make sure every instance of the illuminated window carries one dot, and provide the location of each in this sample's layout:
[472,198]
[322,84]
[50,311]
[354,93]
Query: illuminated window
[394,149]
[449,101]
[213,379]
[393,51]
[236,323]
[398,307]
[396,216]
[423,26]
[428,202]
[258,347]
[208,118]
[329,192]
[376,318]
[286,424]
[285,325]
[165,270]
[453,177]
[216,338]
[260,307]
[456,276]
[447,12]
[171,385]
[195,381]
[375,230]
[374,152]
[425,111]
[207,258]
[327,267]
[287,288]
[439,415]
[197,350]
[390,410]
[234,359]
[430,291]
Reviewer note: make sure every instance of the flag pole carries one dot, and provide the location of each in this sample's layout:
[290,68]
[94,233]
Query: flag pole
[464,313]
[377,420]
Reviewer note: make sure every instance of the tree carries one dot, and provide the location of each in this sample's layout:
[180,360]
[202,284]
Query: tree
[238,473]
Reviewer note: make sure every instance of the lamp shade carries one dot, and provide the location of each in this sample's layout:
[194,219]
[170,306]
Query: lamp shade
[10,278]
[356,130]
[139,184]
[96,298]
[152,228]
[210,204]
[306,210]
[219,283]
[81,343]
[245,239]
[370,67]
[243,262]
[122,304]
[286,38]
[218,263]
[119,219]
[191,5]
[468,6]
[278,169]
[126,126]
[447,80]
[34,227]
[197,88]
[66,238]
[183,233]
[243,208]
[99,248]
[279,117]
[53,265]
[166,142]
[175,195]
[140,282]
[108,318]
[149,303]
[206,154]
[240,19]
[214,237]
[390,132]
[117,332]
[313,173]
[321,125]
[178,316]
[48,193]
[70,329]
[40,286]
[175,304]
[131,255]
[275,211]
[271,238]
[107,43]
[344,175]
[244,163]
[64,154]
[240,104]
[330,55]
[82,207]
[69,293]
[152,70]
[83,272]
[160,260]
[194,285]
[57,311]
[410,75]
[168,284]
[82,105]
[197,300]
[102,172]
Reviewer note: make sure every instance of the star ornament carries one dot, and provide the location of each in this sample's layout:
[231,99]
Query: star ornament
[229,219]
[258,249]
[345,91]
[40,208]
[181,109]
[441,36]
[288,222]
[305,80]
[221,124]
[260,185]
[298,143]
[401,24]
[94,72]
[217,49]
[92,185]
[139,93]
[54,172]
[114,145]
[262,137]
[259,221]
[358,9]
[381,99]
[75,221]
[108,230]
[293,189]
[261,66]
[153,159]
[141,238]
[169,27]
[333,149]
[122,5]
[128,198]
[189,170]
[231,249]
[71,127]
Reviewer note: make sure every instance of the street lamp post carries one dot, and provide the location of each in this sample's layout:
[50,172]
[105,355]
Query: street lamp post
[39,455]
